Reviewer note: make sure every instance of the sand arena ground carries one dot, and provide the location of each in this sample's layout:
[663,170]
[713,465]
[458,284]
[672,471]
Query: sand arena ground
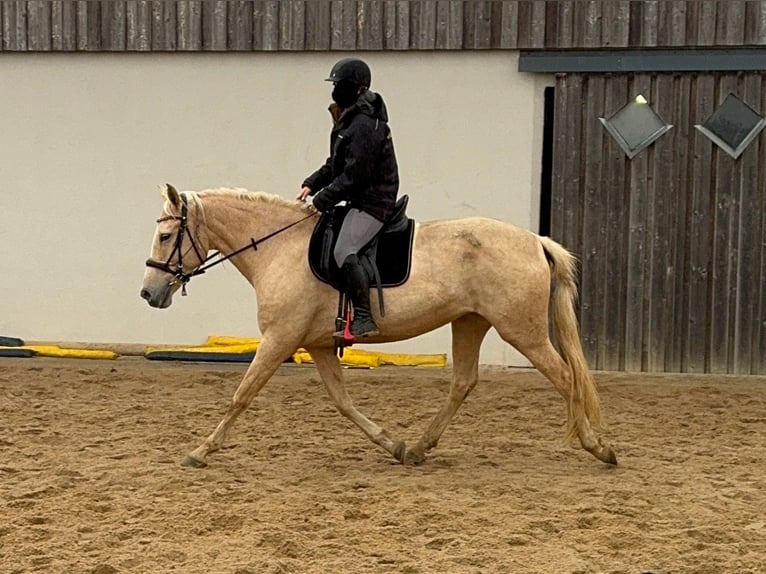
[90,480]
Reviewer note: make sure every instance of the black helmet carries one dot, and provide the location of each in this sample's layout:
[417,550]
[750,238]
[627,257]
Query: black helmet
[351,70]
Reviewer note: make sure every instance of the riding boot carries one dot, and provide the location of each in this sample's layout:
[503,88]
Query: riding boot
[357,286]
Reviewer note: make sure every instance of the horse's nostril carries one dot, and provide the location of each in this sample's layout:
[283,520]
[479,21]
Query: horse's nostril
[145,294]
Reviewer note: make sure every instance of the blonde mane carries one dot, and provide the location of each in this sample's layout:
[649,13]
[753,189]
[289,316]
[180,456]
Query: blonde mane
[256,196]
[238,193]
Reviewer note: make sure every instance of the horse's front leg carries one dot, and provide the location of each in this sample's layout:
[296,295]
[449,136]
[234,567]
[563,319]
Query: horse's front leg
[330,371]
[268,358]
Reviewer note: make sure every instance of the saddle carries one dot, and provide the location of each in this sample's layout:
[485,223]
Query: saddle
[386,258]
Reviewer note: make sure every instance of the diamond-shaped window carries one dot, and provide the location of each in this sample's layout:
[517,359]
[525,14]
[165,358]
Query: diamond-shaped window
[635,126]
[733,126]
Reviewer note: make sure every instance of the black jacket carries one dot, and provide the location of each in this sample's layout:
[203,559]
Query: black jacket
[362,167]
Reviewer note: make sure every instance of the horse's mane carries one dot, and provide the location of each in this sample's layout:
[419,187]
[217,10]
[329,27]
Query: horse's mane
[257,196]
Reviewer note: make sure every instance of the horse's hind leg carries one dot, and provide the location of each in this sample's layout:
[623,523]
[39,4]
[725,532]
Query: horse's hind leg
[467,335]
[329,369]
[548,361]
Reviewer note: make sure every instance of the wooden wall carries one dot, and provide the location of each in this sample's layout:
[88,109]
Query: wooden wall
[672,242]
[297,25]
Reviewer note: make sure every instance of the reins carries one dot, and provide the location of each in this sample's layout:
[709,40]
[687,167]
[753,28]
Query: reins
[209,261]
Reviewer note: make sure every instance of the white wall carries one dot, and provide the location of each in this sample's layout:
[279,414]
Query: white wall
[87,138]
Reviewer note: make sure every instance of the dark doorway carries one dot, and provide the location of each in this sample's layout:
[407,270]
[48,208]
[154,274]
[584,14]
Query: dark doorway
[546,176]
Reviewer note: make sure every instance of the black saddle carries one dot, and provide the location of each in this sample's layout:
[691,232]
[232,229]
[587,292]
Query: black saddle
[386,258]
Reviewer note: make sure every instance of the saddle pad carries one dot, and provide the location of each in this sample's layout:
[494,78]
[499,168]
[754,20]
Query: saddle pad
[394,255]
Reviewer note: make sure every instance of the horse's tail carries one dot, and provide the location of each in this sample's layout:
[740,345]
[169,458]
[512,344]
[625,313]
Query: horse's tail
[583,400]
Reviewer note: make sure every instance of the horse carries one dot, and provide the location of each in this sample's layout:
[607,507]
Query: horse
[474,273]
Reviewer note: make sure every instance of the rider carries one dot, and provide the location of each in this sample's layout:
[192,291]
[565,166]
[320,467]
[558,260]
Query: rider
[361,170]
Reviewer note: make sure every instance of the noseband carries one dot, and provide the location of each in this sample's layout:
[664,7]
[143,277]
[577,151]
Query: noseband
[205,262]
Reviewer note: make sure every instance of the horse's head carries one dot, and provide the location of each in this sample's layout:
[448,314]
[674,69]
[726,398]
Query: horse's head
[176,254]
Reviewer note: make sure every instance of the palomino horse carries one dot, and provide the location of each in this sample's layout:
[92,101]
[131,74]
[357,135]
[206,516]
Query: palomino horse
[473,273]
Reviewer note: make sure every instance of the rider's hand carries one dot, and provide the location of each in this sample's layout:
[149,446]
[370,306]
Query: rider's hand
[309,199]
[303,193]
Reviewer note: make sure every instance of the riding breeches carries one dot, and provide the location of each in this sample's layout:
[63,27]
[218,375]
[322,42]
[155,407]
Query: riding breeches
[357,230]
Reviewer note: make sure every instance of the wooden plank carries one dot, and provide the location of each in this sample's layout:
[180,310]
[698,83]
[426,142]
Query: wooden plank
[760,25]
[650,24]
[759,333]
[730,25]
[664,201]
[336,25]
[348,29]
[612,344]
[139,26]
[750,225]
[552,24]
[523,24]
[566,24]
[292,23]
[637,292]
[572,121]
[190,25]
[240,26]
[672,23]
[113,26]
[483,25]
[696,357]
[423,25]
[615,24]
[370,22]
[706,22]
[591,30]
[14,26]
[164,29]
[215,25]
[594,242]
[92,27]
[636,24]
[266,36]
[680,180]
[723,288]
[39,26]
[318,25]
[63,25]
[2,28]
[692,23]
[538,26]
[562,108]
[389,24]
[444,31]
[469,26]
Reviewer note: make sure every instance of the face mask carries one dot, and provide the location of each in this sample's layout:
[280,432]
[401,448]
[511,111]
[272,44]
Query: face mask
[344,94]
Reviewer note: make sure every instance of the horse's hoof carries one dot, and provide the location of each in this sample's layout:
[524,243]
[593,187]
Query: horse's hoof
[608,456]
[399,451]
[415,457]
[191,462]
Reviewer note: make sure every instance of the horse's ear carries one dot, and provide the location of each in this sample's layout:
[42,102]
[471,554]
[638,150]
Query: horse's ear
[171,194]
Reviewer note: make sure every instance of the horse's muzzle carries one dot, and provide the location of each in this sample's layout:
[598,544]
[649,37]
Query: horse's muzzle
[159,299]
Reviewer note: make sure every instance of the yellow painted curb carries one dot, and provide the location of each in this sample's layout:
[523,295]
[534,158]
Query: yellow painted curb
[53,351]
[234,349]
[351,357]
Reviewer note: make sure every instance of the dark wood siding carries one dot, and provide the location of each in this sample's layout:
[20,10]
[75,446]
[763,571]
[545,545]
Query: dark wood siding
[294,25]
[671,242]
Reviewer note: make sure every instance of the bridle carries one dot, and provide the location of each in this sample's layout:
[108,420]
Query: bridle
[205,262]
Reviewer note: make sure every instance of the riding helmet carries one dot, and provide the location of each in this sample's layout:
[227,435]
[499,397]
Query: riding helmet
[352,70]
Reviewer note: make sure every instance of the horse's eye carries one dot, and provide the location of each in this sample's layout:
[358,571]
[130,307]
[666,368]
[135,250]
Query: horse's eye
[164,236]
